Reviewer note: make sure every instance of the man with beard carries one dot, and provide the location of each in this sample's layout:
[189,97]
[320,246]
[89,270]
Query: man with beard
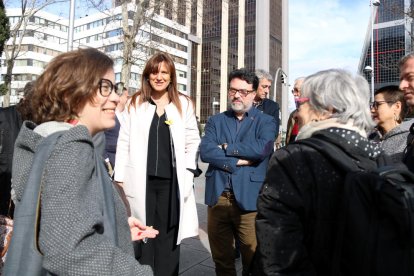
[237,145]
[406,66]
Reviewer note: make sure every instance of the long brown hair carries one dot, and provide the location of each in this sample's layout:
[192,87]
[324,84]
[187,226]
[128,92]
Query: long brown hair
[69,81]
[152,67]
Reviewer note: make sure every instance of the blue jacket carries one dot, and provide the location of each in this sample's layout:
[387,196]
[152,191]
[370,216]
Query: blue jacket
[253,141]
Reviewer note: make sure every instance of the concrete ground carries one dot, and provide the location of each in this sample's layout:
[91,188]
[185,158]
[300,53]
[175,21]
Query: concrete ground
[195,258]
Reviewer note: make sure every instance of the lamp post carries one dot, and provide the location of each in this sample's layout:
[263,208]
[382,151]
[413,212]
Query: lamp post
[278,71]
[374,3]
[71,24]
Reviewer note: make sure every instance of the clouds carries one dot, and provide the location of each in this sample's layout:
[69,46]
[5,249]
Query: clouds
[326,34]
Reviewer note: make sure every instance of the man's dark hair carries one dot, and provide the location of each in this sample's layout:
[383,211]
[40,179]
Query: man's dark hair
[246,75]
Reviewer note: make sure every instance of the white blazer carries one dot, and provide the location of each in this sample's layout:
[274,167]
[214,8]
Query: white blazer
[131,159]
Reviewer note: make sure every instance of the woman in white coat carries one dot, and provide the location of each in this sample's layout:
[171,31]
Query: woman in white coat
[155,161]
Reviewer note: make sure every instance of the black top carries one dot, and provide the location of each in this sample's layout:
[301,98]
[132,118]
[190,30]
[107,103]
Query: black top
[111,139]
[271,108]
[159,148]
[10,123]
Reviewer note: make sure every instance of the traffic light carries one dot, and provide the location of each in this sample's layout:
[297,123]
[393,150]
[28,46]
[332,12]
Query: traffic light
[282,78]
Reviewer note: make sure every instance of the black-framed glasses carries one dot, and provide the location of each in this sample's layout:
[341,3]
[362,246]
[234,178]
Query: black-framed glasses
[242,92]
[376,104]
[106,87]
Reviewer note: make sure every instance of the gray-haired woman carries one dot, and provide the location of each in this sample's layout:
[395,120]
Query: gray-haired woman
[298,205]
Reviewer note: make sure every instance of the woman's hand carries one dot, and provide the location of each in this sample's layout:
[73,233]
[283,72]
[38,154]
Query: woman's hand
[140,231]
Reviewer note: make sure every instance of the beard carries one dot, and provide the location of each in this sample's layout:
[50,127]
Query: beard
[239,107]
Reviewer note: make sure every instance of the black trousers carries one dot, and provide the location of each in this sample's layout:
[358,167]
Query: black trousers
[162,253]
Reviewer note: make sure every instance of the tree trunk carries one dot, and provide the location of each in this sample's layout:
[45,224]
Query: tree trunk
[7,83]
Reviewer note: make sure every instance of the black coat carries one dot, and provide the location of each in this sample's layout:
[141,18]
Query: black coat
[271,108]
[10,123]
[298,206]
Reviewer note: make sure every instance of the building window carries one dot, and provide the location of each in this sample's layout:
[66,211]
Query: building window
[182,87]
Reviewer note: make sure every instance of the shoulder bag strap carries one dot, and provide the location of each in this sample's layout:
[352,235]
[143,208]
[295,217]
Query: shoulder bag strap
[105,182]
[24,247]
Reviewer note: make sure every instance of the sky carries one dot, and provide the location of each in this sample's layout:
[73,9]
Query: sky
[326,34]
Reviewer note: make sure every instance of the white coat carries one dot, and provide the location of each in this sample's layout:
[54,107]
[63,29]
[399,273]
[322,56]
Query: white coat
[131,159]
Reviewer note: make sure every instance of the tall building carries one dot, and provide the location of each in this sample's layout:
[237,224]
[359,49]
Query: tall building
[238,33]
[172,32]
[45,38]
[392,39]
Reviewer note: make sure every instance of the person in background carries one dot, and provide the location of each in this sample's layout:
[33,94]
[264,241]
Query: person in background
[406,66]
[298,205]
[155,162]
[111,135]
[237,145]
[388,112]
[261,100]
[11,119]
[75,94]
[292,129]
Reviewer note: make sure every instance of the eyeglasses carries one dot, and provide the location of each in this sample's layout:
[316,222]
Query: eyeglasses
[376,104]
[106,87]
[300,101]
[242,92]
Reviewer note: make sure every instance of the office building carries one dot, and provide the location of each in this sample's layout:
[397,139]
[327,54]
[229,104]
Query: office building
[392,32]
[239,33]
[168,31]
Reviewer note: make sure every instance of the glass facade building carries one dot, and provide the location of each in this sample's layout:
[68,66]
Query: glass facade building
[392,32]
[234,45]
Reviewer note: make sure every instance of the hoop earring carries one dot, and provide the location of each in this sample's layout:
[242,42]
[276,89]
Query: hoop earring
[396,118]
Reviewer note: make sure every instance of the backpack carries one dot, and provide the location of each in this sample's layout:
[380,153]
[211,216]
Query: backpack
[375,234]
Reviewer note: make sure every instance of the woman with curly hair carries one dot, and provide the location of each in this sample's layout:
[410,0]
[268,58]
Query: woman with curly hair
[76,95]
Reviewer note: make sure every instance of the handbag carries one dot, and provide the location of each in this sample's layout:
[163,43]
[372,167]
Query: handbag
[23,255]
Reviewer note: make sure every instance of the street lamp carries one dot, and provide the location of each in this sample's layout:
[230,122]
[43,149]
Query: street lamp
[284,76]
[214,103]
[374,3]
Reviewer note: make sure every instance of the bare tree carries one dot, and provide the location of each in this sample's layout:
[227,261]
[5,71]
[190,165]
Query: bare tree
[138,44]
[129,33]
[13,46]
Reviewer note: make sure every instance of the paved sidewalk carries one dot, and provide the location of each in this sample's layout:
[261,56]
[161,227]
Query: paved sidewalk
[195,258]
